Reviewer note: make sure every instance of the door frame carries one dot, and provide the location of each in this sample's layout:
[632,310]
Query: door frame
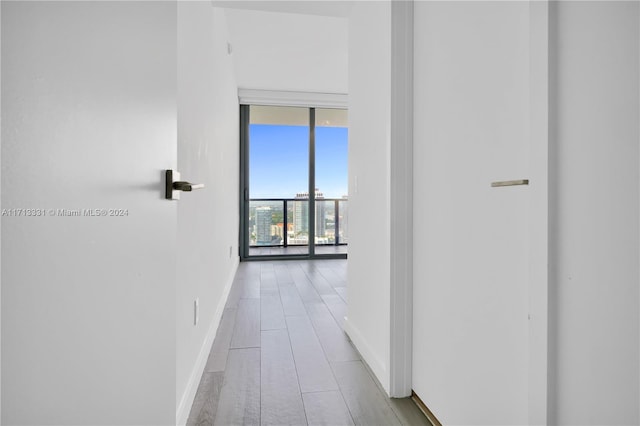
[401,194]
[541,56]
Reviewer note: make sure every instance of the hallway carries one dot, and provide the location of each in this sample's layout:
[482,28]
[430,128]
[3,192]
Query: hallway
[281,357]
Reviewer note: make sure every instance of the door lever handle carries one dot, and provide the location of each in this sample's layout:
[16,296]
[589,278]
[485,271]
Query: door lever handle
[187,186]
[173,185]
[510,183]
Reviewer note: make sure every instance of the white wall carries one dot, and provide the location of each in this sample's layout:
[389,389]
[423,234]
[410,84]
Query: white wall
[291,52]
[369,165]
[208,138]
[88,303]
[0,226]
[594,235]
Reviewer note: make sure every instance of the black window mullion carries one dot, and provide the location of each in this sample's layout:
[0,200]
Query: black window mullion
[312,181]
[244,182]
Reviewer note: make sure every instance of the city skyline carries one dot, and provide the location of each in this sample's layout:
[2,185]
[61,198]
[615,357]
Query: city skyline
[267,220]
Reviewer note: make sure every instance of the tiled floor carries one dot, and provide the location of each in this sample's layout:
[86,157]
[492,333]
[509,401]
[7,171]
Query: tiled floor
[279,251]
[281,357]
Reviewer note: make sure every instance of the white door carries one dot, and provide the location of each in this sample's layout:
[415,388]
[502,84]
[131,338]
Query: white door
[88,296]
[472,106]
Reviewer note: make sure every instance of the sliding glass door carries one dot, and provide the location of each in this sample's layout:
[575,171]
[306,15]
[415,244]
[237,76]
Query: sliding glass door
[283,150]
[331,139]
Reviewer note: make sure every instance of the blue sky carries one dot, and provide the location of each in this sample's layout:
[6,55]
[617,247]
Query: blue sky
[279,159]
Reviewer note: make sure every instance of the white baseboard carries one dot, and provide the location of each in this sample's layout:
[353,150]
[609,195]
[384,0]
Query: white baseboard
[377,366]
[182,412]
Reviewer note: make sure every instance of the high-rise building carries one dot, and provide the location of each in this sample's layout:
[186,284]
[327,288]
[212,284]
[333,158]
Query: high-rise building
[301,214]
[263,226]
[321,219]
[343,231]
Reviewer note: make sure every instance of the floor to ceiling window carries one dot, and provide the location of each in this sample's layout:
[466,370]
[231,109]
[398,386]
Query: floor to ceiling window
[293,182]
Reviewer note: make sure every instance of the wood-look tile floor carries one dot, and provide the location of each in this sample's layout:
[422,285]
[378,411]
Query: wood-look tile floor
[280,356]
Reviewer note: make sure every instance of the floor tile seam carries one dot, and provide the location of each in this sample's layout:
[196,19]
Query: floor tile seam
[329,362]
[295,366]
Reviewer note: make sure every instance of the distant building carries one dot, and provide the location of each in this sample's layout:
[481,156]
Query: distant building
[277,234]
[301,214]
[321,221]
[343,231]
[276,230]
[300,217]
[263,226]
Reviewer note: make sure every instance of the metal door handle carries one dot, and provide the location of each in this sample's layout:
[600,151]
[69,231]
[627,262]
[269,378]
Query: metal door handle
[187,186]
[173,185]
[510,183]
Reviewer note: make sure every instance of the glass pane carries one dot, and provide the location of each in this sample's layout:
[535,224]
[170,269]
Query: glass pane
[278,171]
[325,222]
[299,228]
[343,222]
[331,180]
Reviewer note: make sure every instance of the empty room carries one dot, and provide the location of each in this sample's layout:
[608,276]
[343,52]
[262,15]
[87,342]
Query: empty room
[320,212]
